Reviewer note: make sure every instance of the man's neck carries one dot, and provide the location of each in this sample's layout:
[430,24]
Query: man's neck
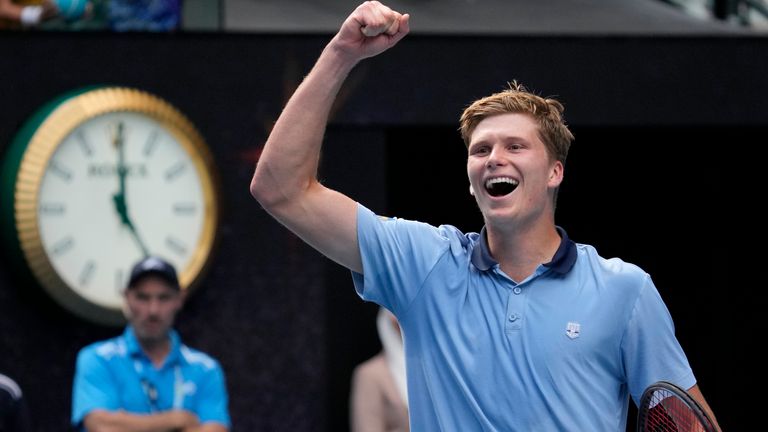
[520,250]
[156,350]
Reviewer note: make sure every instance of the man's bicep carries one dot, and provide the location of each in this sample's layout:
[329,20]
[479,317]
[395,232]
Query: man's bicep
[326,220]
[211,403]
[650,350]
[93,388]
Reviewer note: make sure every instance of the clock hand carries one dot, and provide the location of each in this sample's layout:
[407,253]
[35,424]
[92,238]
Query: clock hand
[119,198]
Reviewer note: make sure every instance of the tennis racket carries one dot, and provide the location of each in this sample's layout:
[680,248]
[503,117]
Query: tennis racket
[666,407]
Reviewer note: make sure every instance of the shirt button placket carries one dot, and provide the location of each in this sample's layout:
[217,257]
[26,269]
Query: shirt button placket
[515,308]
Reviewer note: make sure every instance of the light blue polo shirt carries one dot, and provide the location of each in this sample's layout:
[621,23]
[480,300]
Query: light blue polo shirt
[116,375]
[560,351]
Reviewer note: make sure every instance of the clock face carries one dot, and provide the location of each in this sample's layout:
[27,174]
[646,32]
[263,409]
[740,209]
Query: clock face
[106,178]
[118,187]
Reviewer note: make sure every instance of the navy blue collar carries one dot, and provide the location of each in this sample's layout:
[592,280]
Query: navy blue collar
[561,263]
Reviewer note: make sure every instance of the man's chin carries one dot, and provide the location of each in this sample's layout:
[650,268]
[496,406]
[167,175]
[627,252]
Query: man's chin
[152,333]
[498,215]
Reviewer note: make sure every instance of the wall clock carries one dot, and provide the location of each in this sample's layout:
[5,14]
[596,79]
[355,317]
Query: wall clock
[99,178]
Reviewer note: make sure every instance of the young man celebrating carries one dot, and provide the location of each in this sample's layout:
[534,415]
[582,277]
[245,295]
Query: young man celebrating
[146,379]
[516,328]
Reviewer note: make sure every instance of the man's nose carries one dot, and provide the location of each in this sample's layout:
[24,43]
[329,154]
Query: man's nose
[154,306]
[495,158]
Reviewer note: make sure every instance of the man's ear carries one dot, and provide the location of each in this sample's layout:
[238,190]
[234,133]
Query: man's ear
[556,175]
[124,306]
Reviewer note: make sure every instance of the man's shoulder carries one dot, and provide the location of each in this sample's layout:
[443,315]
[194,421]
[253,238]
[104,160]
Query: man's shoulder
[613,265]
[104,349]
[613,272]
[199,359]
[446,231]
[372,366]
[417,234]
[373,373]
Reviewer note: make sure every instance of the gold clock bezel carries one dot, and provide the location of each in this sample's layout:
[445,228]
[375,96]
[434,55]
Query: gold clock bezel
[43,143]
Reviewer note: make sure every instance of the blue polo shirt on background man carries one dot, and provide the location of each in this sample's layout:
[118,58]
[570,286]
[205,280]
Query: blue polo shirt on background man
[146,379]
[115,374]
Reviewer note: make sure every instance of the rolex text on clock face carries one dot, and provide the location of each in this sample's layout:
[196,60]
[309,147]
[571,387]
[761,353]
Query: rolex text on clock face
[120,186]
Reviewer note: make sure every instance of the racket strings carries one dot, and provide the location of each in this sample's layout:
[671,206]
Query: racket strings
[669,413]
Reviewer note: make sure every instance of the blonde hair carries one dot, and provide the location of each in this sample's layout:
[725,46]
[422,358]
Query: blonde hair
[547,112]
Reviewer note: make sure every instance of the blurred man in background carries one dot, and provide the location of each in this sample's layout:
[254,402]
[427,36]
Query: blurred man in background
[379,396]
[146,379]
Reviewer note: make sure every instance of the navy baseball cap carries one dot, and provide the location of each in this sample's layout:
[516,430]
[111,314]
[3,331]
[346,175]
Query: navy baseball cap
[153,266]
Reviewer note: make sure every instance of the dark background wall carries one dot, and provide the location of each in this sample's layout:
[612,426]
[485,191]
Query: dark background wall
[666,172]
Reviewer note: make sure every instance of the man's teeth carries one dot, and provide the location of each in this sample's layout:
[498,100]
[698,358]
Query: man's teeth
[494,181]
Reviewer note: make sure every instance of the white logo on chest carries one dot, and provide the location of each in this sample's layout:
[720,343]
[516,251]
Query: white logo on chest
[572,330]
[189,388]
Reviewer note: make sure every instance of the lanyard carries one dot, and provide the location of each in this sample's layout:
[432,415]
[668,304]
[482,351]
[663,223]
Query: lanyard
[150,390]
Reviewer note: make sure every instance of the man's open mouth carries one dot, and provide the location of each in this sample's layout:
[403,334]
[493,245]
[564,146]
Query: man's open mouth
[500,186]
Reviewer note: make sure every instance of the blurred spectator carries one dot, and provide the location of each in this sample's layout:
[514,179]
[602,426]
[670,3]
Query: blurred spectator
[25,13]
[379,397]
[144,15]
[95,19]
[13,412]
[116,15]
[147,379]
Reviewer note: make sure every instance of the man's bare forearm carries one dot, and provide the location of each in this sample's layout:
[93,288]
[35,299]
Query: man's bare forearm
[696,395]
[121,421]
[287,167]
[207,427]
